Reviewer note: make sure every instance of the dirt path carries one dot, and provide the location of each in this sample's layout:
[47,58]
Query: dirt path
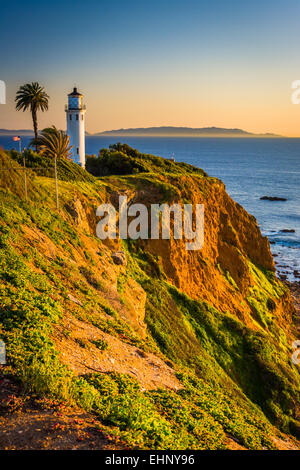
[36,430]
[24,424]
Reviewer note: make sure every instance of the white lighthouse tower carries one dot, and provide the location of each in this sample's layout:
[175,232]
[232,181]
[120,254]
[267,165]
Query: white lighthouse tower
[75,126]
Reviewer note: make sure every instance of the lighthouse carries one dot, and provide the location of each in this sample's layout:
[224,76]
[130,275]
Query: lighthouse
[75,110]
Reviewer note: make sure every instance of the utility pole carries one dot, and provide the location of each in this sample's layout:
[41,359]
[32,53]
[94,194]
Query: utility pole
[56,185]
[24,166]
[25,179]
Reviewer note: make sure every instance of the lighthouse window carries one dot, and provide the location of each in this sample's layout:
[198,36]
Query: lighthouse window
[76,117]
[70,117]
[77,150]
[82,117]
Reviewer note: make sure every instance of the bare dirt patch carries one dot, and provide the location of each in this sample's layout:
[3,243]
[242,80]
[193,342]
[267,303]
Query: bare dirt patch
[24,424]
[149,370]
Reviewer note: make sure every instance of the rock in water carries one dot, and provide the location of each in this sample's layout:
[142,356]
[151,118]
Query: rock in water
[272,198]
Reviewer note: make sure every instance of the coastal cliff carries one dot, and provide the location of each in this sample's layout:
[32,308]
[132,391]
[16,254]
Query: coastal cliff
[166,347]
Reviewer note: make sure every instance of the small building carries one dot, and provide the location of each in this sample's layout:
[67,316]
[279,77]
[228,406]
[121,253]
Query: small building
[75,110]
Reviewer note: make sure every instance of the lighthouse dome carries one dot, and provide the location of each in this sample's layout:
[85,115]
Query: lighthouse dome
[75,99]
[75,92]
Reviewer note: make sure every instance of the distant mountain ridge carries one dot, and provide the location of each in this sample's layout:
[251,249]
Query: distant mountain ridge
[183,132]
[24,132]
[162,131]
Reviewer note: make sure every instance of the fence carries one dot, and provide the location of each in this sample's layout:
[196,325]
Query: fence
[26,173]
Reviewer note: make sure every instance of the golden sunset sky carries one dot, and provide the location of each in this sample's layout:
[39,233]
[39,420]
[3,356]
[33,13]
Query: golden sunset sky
[160,63]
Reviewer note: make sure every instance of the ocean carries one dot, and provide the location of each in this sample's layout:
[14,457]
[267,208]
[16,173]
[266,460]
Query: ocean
[250,168]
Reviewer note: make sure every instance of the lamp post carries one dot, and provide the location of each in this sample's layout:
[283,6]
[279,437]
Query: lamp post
[24,166]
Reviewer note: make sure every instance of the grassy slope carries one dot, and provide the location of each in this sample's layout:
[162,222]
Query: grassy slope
[228,371]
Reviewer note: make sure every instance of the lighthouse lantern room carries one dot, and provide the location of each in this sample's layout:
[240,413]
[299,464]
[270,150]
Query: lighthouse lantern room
[75,110]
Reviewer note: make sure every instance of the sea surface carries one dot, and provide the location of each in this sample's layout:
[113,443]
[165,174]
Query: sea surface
[250,168]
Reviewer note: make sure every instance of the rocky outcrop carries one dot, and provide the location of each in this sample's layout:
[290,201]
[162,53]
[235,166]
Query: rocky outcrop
[119,258]
[78,213]
[220,272]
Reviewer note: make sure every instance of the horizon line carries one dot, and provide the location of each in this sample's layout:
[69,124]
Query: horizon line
[121,132]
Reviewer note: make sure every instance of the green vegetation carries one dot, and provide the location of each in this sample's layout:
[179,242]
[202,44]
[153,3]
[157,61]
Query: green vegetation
[43,165]
[101,344]
[53,143]
[28,317]
[219,348]
[120,159]
[235,381]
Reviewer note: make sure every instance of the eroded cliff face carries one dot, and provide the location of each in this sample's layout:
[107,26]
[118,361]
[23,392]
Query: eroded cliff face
[223,271]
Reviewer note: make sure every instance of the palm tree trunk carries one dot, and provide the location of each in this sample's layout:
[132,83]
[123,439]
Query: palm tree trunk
[35,125]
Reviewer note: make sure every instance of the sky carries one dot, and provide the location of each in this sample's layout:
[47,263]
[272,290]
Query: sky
[188,63]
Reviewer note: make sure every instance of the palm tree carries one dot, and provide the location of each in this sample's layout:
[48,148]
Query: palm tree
[54,144]
[32,96]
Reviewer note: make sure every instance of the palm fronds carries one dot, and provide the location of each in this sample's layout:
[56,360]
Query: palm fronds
[53,143]
[32,96]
